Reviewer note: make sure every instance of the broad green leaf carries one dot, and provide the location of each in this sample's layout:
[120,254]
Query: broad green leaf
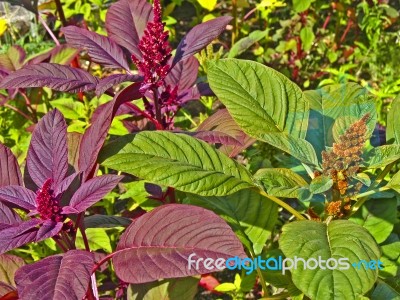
[348,102]
[384,291]
[250,215]
[378,216]
[296,147]
[166,289]
[177,160]
[63,55]
[97,238]
[320,184]
[260,99]
[381,156]
[394,183]
[307,37]
[341,239]
[301,5]
[393,124]
[245,43]
[280,182]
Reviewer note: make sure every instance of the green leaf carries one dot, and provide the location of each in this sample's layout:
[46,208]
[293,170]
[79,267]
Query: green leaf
[378,216]
[384,291]
[349,102]
[166,289]
[320,184]
[260,99]
[70,108]
[245,43]
[280,182]
[225,287]
[381,156]
[394,183]
[97,238]
[307,37]
[177,160]
[208,4]
[250,215]
[296,147]
[393,124]
[63,55]
[301,5]
[341,239]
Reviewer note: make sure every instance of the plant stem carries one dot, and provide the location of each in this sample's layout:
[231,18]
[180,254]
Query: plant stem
[48,30]
[18,111]
[61,13]
[102,261]
[282,204]
[371,190]
[157,107]
[260,275]
[235,22]
[60,244]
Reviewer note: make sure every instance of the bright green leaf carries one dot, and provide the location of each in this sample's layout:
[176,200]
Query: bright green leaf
[393,124]
[381,156]
[320,184]
[207,4]
[307,37]
[301,5]
[177,160]
[341,239]
[97,238]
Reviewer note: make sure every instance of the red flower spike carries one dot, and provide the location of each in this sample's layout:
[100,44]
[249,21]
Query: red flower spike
[47,205]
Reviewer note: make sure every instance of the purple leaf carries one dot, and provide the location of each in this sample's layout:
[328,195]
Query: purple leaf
[8,216]
[64,185]
[151,249]
[222,121]
[126,21]
[9,264]
[48,153]
[57,77]
[48,229]
[183,74]
[18,235]
[216,137]
[108,82]
[199,37]
[10,173]
[100,48]
[91,192]
[19,196]
[94,137]
[63,276]
[13,59]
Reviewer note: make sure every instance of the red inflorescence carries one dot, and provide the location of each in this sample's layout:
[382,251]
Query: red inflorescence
[156,51]
[47,205]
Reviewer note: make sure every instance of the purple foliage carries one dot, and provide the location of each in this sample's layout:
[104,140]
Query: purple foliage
[184,230]
[108,82]
[65,276]
[100,48]
[58,77]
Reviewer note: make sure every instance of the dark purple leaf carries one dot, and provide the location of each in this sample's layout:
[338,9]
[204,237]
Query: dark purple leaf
[9,169]
[8,216]
[199,37]
[63,276]
[48,229]
[108,82]
[126,21]
[58,77]
[9,264]
[48,154]
[65,184]
[153,189]
[19,196]
[13,59]
[91,192]
[18,235]
[160,249]
[195,92]
[100,48]
[105,221]
[183,74]
[94,137]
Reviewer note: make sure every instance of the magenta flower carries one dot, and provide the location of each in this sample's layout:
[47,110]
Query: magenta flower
[47,186]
